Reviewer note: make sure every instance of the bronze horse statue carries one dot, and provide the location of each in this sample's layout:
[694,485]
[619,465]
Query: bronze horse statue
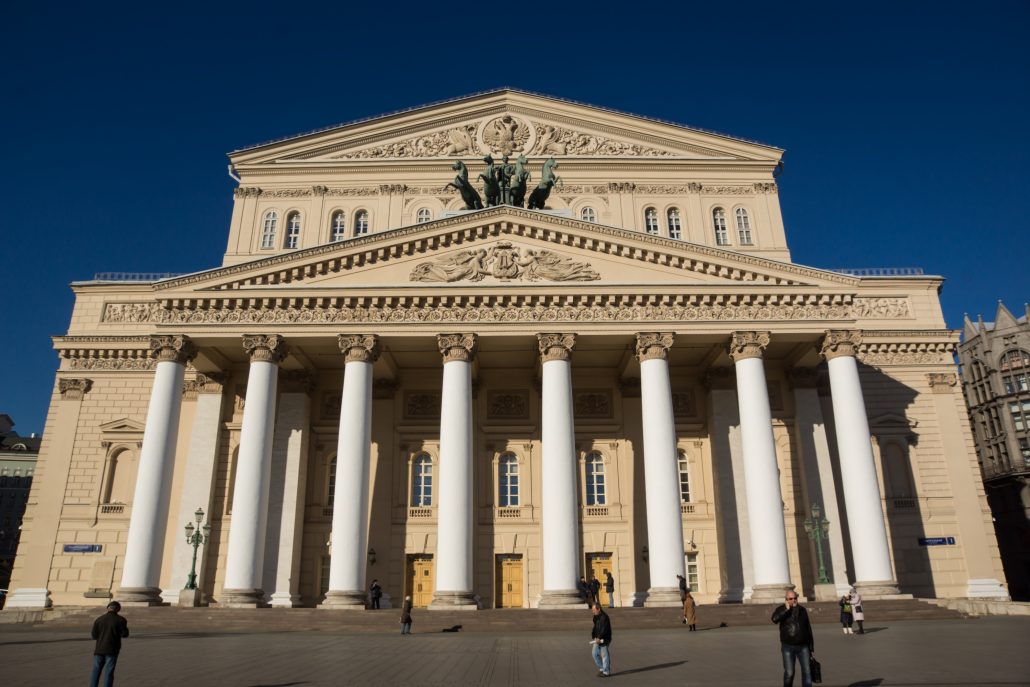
[519,180]
[461,183]
[491,187]
[547,179]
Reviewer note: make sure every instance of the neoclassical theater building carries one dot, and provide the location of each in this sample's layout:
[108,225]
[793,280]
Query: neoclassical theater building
[478,406]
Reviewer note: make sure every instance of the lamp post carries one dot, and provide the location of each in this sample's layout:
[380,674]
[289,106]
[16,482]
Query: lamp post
[818,529]
[195,536]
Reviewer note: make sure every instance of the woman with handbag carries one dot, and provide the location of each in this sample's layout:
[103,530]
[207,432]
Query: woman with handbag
[856,610]
[846,617]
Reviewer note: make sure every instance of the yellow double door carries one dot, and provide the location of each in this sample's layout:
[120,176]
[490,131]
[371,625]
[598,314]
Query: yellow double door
[600,564]
[420,580]
[509,581]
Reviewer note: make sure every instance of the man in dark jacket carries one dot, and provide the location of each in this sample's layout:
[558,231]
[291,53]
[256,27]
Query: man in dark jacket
[601,639]
[108,630]
[609,586]
[796,640]
[595,590]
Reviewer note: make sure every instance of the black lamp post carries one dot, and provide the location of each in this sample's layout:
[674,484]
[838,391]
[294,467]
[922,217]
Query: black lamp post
[196,536]
[818,529]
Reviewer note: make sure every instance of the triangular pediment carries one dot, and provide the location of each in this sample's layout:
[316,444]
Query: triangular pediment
[504,122]
[122,426]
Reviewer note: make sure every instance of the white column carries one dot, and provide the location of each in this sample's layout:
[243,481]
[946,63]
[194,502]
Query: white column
[347,554]
[560,510]
[661,471]
[143,551]
[281,579]
[198,480]
[454,525]
[245,558]
[874,574]
[761,472]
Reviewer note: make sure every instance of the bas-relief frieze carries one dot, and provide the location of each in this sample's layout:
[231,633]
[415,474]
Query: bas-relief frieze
[506,262]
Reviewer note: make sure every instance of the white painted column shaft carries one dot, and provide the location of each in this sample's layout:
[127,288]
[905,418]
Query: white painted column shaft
[286,494]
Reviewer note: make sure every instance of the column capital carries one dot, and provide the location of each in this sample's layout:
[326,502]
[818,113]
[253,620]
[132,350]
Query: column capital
[175,348]
[74,389]
[211,382]
[457,347]
[267,348]
[555,346]
[840,342]
[744,345]
[359,348]
[803,377]
[942,382]
[654,345]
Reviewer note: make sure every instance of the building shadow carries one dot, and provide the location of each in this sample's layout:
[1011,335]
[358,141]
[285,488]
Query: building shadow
[659,666]
[867,683]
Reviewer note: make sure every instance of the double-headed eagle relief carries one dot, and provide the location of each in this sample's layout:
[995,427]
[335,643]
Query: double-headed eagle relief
[506,262]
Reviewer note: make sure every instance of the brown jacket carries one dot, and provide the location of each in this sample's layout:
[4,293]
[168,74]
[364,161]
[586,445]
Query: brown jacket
[688,610]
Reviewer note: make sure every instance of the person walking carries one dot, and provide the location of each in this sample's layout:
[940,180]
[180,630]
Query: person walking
[683,587]
[595,590]
[609,586]
[375,592]
[846,618]
[690,612]
[601,639]
[796,639]
[857,611]
[109,630]
[406,616]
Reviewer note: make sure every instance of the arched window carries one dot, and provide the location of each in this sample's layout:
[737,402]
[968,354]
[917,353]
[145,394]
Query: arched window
[422,481]
[684,468]
[330,497]
[423,216]
[268,226]
[743,227]
[587,214]
[292,230]
[1015,371]
[722,236]
[595,479]
[508,480]
[339,226]
[121,477]
[675,229]
[651,221]
[361,223]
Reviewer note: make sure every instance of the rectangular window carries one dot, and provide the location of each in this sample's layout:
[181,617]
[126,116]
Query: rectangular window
[684,468]
[692,576]
[1024,449]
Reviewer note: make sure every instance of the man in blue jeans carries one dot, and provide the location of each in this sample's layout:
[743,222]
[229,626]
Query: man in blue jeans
[796,640]
[601,638]
[108,630]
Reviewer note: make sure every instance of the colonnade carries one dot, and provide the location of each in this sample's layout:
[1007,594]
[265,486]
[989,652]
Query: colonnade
[559,507]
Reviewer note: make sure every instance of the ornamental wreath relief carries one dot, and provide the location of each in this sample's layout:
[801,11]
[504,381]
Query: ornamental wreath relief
[506,262]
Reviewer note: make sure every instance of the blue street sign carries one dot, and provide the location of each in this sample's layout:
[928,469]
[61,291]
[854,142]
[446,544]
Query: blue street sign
[83,548]
[937,541]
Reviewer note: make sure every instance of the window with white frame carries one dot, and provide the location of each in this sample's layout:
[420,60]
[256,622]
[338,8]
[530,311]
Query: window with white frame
[722,236]
[423,215]
[684,469]
[675,228]
[1020,415]
[1015,371]
[422,481]
[361,223]
[651,221]
[268,226]
[338,226]
[508,480]
[692,573]
[595,489]
[292,230]
[330,496]
[743,227]
[587,214]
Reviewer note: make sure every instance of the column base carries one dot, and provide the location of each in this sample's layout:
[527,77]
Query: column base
[351,600]
[769,593]
[243,598]
[663,597]
[453,601]
[191,598]
[140,596]
[561,598]
[986,589]
[29,597]
[828,592]
[878,590]
[285,600]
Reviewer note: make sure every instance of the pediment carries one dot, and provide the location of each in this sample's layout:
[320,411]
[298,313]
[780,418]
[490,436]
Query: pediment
[505,123]
[122,427]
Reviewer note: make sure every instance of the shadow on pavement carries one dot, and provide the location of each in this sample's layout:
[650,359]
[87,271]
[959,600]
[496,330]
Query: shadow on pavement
[867,683]
[48,641]
[283,684]
[870,630]
[659,666]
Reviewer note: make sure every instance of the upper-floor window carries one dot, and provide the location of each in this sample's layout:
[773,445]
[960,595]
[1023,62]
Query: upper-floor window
[722,236]
[743,227]
[338,226]
[595,490]
[293,230]
[508,480]
[1020,415]
[422,480]
[587,214]
[684,469]
[1015,371]
[268,226]
[423,215]
[651,221]
[361,223]
[675,229]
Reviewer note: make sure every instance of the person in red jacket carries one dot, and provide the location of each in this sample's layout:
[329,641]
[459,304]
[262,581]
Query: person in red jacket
[109,630]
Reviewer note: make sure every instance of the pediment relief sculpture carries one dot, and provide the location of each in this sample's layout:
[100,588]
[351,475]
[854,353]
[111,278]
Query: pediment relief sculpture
[506,262]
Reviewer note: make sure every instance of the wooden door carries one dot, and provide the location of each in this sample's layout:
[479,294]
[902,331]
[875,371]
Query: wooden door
[509,581]
[419,581]
[601,563]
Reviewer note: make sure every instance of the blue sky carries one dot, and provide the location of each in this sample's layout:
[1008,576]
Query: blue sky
[905,124]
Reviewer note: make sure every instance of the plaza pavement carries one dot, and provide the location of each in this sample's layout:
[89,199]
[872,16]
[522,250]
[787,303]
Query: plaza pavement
[977,651]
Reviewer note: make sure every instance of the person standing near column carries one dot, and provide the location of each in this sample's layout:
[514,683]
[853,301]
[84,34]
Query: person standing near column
[609,586]
[406,616]
[109,630]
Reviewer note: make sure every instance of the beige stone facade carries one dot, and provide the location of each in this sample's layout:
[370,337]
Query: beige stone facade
[655,228]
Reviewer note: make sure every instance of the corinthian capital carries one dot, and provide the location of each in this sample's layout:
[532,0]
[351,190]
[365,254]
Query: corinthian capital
[744,345]
[267,348]
[555,346]
[461,347]
[653,345]
[74,388]
[359,348]
[840,342]
[175,349]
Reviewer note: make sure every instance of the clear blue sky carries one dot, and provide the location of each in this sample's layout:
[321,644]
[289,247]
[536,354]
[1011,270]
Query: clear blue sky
[905,124]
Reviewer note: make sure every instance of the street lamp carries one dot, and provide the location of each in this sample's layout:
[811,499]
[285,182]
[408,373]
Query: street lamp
[818,529]
[195,536]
